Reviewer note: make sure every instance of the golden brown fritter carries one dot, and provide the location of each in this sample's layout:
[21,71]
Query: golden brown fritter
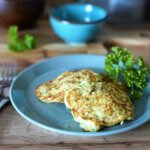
[54,91]
[93,99]
[107,105]
[50,92]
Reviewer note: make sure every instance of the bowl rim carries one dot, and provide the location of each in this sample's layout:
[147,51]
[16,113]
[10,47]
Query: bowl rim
[51,15]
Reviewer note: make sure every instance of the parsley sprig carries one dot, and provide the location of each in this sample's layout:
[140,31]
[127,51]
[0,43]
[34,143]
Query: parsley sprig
[16,44]
[120,63]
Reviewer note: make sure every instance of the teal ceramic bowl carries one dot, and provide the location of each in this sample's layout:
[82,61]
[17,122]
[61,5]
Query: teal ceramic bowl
[77,22]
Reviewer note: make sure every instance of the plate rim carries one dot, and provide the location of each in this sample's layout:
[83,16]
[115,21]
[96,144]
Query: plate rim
[63,131]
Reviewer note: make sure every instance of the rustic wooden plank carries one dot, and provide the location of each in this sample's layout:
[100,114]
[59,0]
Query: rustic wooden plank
[135,42]
[14,129]
[61,48]
[140,134]
[24,58]
[117,146]
[52,49]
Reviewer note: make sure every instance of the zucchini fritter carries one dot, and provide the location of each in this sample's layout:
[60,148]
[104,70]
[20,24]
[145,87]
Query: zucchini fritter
[93,99]
[107,105]
[51,91]
[54,91]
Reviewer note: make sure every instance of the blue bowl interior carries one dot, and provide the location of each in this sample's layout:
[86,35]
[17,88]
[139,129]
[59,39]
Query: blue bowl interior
[79,13]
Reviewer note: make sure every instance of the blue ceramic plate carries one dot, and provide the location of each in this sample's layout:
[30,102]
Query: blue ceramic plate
[56,117]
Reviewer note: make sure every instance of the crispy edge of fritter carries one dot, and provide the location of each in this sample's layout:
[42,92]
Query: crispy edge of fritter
[51,98]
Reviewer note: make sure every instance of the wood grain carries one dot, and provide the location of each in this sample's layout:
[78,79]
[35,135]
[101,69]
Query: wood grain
[18,132]
[118,146]
[14,129]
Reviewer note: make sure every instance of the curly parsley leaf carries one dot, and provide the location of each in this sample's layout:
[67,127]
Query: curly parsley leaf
[135,73]
[16,44]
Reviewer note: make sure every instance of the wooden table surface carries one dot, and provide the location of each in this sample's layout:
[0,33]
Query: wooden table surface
[17,133]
